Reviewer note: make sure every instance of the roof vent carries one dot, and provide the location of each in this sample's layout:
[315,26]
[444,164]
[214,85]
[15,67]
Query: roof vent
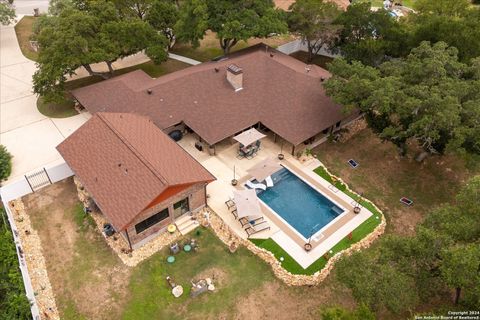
[271,55]
[235,77]
[308,68]
[322,79]
[149,91]
[216,69]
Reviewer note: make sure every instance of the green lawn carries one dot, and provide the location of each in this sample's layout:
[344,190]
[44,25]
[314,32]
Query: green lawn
[236,275]
[62,109]
[23,29]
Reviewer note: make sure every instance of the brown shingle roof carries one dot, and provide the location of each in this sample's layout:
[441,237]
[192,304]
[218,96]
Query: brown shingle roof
[126,162]
[277,91]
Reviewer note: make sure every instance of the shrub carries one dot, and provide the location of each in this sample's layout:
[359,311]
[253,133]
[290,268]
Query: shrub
[5,163]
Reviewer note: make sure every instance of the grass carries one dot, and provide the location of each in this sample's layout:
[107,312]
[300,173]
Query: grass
[23,29]
[358,234]
[236,275]
[63,109]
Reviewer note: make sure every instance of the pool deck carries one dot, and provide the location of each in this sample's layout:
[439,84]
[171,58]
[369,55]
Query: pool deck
[221,166]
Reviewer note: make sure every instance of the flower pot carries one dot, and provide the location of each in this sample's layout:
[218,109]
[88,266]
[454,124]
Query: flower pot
[357,210]
[281,156]
[307,247]
[234,182]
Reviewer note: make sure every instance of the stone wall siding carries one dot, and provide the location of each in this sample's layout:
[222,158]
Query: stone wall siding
[196,201]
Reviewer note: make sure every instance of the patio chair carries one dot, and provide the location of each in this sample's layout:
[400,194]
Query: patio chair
[240,154]
[256,228]
[248,222]
[250,154]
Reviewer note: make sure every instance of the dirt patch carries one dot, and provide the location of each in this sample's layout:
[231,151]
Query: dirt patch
[274,300]
[86,276]
[218,276]
[384,177]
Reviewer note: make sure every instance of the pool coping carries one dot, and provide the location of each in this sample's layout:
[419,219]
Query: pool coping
[317,236]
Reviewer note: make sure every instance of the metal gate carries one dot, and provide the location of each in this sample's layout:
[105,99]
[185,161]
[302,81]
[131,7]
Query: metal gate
[37,180]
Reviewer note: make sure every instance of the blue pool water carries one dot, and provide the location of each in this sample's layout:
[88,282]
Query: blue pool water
[304,208]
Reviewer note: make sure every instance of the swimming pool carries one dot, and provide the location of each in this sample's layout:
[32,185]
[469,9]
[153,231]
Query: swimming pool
[297,203]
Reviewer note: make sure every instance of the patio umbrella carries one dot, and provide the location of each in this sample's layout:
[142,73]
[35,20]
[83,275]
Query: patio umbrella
[247,203]
[249,136]
[264,169]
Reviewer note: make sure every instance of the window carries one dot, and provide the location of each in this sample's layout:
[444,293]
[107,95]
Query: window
[150,221]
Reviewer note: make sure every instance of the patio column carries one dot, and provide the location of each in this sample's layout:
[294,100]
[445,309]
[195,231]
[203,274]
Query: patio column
[293,150]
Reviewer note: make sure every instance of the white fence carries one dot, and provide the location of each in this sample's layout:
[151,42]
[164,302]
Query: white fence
[19,189]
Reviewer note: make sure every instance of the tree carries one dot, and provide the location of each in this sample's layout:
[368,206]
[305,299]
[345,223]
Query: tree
[314,21]
[78,38]
[133,8]
[5,163]
[451,21]
[7,12]
[451,8]
[162,16]
[429,96]
[378,285]
[232,20]
[369,36]
[461,268]
[13,301]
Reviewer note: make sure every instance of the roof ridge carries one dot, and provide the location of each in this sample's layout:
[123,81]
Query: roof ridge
[133,149]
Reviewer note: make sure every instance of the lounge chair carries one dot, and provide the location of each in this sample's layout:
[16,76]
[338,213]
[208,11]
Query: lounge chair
[247,222]
[252,185]
[257,228]
[269,181]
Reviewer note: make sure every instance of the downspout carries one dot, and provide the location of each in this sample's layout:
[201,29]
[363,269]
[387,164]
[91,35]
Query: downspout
[128,239]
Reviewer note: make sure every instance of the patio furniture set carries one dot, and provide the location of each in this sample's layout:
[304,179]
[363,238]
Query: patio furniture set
[249,143]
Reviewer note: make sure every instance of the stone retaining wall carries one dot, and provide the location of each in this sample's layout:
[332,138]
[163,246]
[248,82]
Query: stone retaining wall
[37,268]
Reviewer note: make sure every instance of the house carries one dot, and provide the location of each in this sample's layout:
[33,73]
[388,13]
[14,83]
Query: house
[257,86]
[140,179]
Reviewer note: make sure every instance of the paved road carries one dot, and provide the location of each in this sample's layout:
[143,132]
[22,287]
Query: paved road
[29,136]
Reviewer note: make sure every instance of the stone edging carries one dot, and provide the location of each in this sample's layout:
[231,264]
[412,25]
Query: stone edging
[227,236]
[32,251]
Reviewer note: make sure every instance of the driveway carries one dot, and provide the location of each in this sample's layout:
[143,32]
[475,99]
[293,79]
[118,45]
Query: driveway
[28,135]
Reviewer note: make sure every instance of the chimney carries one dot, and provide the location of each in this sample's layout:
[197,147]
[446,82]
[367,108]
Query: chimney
[235,77]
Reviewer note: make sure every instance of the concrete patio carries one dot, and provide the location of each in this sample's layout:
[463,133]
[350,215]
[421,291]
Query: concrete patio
[221,166]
